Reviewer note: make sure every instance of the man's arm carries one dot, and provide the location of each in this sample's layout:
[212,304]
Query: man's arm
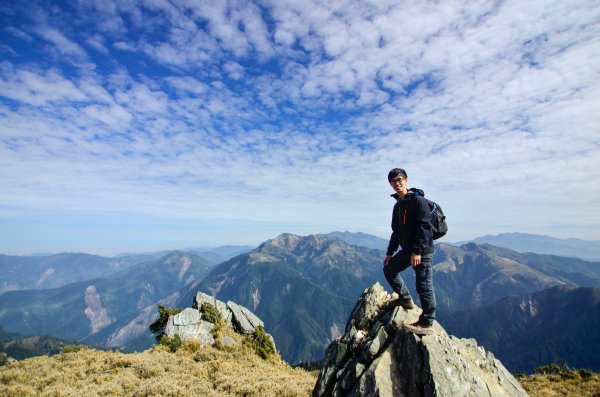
[392,247]
[394,238]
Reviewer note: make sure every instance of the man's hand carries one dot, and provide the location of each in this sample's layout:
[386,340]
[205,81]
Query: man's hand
[415,260]
[387,260]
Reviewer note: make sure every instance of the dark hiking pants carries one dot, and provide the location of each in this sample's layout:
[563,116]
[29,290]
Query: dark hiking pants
[423,273]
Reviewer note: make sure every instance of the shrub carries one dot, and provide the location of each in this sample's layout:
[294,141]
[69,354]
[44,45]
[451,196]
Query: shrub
[261,343]
[586,374]
[173,343]
[210,313]
[71,348]
[158,326]
[191,346]
[550,369]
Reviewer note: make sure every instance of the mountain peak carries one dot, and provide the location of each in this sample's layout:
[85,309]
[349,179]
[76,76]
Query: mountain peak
[376,356]
[287,241]
[303,246]
[291,242]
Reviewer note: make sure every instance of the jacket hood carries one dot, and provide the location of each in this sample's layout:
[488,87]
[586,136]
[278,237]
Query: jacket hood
[410,194]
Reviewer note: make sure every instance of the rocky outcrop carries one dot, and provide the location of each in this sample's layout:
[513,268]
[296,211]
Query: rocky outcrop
[376,357]
[190,324]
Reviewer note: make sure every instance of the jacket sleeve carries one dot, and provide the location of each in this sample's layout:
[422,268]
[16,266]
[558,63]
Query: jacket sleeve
[393,244]
[424,233]
[395,237]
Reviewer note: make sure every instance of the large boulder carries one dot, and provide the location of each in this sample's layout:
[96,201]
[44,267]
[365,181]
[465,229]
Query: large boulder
[189,325]
[377,357]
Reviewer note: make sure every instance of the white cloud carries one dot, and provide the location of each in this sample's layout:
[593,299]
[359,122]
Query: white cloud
[35,88]
[62,44]
[18,33]
[97,42]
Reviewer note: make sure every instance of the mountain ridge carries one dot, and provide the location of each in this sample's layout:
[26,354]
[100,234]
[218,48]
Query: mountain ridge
[57,270]
[95,304]
[541,244]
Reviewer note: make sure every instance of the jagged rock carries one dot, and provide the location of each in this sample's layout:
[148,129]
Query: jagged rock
[201,298]
[189,325]
[376,357]
[243,319]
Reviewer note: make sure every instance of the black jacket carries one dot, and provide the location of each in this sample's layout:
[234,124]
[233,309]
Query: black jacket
[411,224]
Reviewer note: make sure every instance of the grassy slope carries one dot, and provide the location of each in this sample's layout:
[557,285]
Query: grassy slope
[554,385]
[207,371]
[191,371]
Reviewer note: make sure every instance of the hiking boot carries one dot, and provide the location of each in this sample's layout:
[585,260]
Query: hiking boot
[406,303]
[419,329]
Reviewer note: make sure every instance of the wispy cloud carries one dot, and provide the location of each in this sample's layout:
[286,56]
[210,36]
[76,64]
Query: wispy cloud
[288,115]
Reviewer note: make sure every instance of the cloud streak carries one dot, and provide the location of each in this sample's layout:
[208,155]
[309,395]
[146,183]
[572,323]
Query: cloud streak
[288,115]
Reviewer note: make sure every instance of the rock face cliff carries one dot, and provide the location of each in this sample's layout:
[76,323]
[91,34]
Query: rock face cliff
[376,357]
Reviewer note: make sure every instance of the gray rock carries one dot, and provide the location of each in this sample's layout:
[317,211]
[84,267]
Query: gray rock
[376,357]
[189,325]
[243,319]
[228,341]
[367,307]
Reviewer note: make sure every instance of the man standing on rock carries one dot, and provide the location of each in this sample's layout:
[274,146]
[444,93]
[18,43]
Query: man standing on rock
[412,232]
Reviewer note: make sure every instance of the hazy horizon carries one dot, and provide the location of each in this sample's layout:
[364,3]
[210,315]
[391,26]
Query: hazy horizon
[111,252]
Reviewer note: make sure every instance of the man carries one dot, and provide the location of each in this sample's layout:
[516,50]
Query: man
[411,231]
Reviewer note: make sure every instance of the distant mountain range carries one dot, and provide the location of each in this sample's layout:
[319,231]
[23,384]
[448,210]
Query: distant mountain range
[474,275]
[304,287]
[522,242]
[43,272]
[57,270]
[79,310]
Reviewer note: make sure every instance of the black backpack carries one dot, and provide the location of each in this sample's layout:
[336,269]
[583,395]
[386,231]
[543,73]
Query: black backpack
[438,219]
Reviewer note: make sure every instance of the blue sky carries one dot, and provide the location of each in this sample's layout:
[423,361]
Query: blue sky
[144,125]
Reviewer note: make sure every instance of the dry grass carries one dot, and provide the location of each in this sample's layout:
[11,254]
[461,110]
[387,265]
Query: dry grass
[204,371]
[191,371]
[554,385]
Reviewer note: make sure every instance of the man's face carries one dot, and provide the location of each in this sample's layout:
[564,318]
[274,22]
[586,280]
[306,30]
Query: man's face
[399,184]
